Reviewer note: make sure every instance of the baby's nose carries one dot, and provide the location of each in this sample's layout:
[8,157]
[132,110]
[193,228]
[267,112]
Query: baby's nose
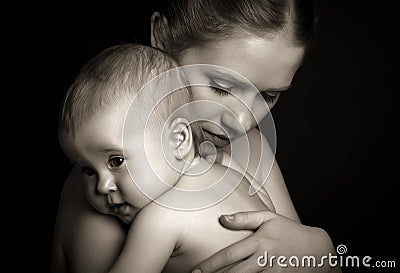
[106,185]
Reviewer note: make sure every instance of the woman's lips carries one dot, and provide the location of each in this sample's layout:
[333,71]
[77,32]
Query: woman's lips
[217,140]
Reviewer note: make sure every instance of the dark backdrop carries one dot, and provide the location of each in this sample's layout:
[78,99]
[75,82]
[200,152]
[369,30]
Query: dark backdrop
[334,128]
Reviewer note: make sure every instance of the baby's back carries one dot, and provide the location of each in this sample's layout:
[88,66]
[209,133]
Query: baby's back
[200,233]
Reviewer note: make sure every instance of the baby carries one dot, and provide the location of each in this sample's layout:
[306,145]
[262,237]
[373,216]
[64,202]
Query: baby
[138,157]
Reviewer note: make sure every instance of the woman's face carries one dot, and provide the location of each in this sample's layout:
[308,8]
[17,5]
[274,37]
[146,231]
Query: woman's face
[269,65]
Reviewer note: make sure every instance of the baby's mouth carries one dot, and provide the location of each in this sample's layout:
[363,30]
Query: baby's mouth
[124,211]
[118,208]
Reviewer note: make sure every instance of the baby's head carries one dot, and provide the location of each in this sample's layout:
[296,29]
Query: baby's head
[92,120]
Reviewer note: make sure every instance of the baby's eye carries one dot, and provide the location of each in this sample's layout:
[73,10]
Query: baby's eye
[116,161]
[87,171]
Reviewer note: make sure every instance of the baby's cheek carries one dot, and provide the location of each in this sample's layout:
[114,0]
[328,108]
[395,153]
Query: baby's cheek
[94,200]
[97,204]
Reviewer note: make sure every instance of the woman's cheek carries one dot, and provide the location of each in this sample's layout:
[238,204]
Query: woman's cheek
[204,93]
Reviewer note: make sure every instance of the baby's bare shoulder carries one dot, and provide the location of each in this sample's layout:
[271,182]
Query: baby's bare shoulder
[216,173]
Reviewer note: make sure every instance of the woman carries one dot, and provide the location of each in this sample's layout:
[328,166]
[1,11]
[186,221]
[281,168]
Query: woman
[265,41]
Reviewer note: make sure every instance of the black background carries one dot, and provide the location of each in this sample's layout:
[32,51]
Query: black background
[334,128]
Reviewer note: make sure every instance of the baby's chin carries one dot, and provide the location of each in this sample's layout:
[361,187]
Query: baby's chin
[127,213]
[127,219]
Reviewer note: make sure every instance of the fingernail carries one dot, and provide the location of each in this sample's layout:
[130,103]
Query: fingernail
[229,217]
[196,271]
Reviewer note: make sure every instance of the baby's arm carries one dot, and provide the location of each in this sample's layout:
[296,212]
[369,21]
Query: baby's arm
[150,242]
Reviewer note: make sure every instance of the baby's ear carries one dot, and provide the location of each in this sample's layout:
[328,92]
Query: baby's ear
[180,138]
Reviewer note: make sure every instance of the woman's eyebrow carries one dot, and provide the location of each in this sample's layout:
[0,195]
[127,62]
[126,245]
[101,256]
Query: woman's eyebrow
[229,77]
[279,89]
[239,82]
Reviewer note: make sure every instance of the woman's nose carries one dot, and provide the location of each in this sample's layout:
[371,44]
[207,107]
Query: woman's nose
[254,107]
[106,185]
[237,124]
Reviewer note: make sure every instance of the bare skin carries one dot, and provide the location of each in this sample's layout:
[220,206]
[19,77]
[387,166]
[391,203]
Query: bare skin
[289,236]
[79,245]
[80,242]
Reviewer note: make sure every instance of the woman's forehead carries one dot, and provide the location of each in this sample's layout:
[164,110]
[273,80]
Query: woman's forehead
[267,63]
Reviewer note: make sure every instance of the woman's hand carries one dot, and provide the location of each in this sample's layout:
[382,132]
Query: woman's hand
[275,235]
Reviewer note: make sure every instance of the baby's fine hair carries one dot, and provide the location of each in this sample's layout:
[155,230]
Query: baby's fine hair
[115,76]
[195,23]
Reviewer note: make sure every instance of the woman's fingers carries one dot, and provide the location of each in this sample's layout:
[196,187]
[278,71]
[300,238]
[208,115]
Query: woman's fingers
[246,220]
[249,266]
[228,256]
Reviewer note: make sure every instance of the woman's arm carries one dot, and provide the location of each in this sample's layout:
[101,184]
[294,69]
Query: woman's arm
[262,165]
[226,160]
[279,194]
[277,236]
[271,174]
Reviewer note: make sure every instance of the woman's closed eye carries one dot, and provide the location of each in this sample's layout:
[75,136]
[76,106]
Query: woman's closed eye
[270,97]
[221,87]
[225,88]
[220,91]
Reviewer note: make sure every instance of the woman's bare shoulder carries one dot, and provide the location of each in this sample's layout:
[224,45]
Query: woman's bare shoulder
[82,232]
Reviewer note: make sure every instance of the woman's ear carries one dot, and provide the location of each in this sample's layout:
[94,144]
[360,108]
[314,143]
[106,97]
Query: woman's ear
[181,139]
[160,33]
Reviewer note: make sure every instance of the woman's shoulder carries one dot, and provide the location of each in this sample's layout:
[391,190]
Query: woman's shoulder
[257,140]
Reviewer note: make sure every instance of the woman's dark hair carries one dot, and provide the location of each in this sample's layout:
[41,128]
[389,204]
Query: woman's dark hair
[196,22]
